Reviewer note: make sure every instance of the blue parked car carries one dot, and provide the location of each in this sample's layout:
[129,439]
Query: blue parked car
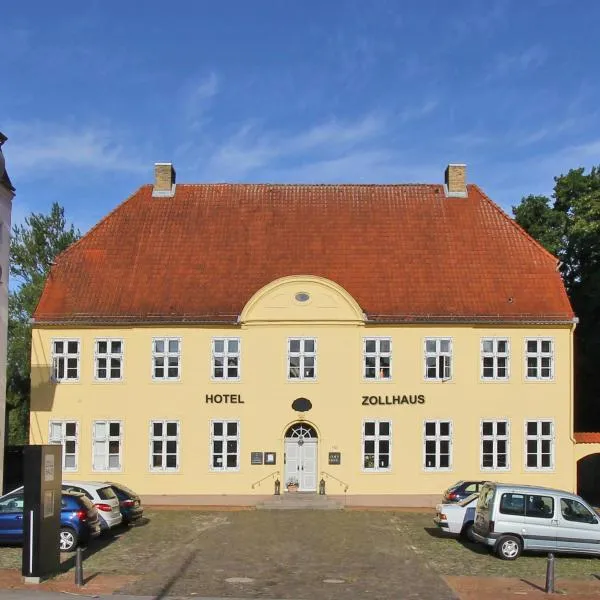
[129,503]
[79,520]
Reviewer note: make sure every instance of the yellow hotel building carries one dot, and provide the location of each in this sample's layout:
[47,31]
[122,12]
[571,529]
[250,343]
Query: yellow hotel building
[205,341]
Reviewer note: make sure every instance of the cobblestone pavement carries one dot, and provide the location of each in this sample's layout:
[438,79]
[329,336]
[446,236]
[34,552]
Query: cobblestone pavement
[317,555]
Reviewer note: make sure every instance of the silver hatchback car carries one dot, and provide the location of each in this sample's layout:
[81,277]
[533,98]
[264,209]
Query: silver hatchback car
[513,518]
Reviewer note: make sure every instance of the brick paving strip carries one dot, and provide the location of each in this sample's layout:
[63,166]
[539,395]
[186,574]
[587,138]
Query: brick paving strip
[504,588]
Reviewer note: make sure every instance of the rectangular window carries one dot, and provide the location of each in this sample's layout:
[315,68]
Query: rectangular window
[65,360]
[438,445]
[164,445]
[438,358]
[530,505]
[539,358]
[225,445]
[302,358]
[377,442]
[495,440]
[166,358]
[109,360]
[377,358]
[108,444]
[226,358]
[494,358]
[539,442]
[66,433]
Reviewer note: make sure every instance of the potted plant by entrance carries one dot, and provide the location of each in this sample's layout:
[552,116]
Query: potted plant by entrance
[292,484]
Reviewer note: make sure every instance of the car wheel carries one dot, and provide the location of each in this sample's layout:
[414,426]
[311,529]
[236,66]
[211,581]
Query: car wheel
[465,534]
[509,547]
[68,539]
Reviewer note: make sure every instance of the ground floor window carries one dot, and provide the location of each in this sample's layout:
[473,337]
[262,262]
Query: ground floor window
[438,445]
[108,445]
[66,434]
[539,442]
[225,445]
[377,441]
[494,445]
[164,445]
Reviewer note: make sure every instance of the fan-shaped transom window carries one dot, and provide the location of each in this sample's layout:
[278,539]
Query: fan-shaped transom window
[301,431]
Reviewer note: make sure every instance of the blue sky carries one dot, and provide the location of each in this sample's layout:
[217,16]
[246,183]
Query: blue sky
[93,93]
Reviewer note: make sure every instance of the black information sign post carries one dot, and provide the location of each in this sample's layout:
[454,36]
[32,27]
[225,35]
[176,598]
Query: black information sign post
[41,511]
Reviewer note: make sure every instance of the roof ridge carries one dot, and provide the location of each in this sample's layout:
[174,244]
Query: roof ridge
[265,184]
[514,224]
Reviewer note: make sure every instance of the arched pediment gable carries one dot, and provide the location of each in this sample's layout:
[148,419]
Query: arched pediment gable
[302,298]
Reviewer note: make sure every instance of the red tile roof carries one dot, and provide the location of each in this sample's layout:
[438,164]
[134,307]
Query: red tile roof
[587,437]
[404,252]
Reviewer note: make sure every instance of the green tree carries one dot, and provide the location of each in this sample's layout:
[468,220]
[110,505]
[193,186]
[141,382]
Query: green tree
[33,248]
[568,225]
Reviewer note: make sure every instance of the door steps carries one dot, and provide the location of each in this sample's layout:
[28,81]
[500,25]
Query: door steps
[299,501]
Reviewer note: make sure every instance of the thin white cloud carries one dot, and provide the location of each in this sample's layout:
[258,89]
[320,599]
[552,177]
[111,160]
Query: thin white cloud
[38,147]
[417,112]
[510,64]
[197,96]
[251,147]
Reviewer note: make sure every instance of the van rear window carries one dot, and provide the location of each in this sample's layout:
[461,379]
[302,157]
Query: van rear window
[485,498]
[530,505]
[106,493]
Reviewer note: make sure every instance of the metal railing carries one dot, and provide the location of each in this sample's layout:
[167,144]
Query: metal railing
[257,483]
[330,476]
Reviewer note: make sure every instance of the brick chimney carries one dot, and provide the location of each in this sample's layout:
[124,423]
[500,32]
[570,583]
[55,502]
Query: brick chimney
[164,180]
[456,181]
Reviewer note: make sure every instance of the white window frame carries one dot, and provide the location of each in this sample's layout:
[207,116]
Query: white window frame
[438,354]
[302,354]
[166,355]
[377,355]
[224,438]
[551,437]
[539,355]
[226,355]
[65,356]
[495,355]
[109,355]
[376,438]
[438,438]
[164,438]
[107,439]
[63,438]
[494,438]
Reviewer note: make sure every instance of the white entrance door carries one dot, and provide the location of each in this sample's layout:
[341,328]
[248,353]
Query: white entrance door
[301,463]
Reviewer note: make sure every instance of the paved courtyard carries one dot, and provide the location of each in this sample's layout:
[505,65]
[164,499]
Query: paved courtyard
[292,554]
[295,555]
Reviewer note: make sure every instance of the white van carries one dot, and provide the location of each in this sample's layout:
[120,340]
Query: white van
[513,518]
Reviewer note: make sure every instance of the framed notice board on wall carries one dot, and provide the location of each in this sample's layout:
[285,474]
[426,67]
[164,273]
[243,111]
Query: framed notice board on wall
[335,458]
[256,458]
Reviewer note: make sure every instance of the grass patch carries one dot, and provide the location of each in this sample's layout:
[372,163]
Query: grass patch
[449,556]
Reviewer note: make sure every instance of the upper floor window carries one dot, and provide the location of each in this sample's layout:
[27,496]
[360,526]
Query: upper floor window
[225,445]
[109,360]
[494,358]
[377,440]
[65,360]
[438,445]
[166,358]
[438,358]
[164,445]
[302,358]
[540,358]
[108,445]
[226,358]
[377,358]
[66,434]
